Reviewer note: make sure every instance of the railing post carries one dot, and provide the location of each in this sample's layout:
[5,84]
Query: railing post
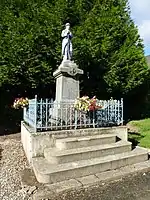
[25,118]
[35,115]
[46,113]
[41,113]
[24,114]
[122,111]
[76,118]
[93,118]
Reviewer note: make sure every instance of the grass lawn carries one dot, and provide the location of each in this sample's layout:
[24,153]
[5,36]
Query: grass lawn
[140,132]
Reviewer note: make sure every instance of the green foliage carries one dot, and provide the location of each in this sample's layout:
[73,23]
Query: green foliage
[111,49]
[143,135]
[106,44]
[27,55]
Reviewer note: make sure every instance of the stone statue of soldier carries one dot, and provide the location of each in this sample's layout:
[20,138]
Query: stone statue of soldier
[66,43]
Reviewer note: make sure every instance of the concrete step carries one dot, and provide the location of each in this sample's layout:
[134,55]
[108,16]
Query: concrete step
[52,173]
[55,156]
[93,180]
[98,180]
[77,142]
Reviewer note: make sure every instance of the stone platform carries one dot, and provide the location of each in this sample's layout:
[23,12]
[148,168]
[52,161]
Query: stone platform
[35,143]
[84,156]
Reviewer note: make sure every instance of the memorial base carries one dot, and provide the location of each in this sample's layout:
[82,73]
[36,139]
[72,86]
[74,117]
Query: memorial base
[67,88]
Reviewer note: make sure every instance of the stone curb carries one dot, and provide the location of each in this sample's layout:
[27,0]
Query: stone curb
[50,190]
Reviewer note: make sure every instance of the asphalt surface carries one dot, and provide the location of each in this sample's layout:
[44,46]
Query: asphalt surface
[135,187]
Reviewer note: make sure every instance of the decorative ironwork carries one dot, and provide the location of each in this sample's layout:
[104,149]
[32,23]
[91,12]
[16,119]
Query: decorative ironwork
[45,114]
[29,113]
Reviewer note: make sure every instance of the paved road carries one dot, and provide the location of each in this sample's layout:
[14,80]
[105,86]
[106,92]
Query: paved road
[130,188]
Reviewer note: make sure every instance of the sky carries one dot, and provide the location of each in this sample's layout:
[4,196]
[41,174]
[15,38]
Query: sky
[140,13]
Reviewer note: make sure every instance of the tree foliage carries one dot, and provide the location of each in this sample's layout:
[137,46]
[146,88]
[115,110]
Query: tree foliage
[114,51]
[107,45]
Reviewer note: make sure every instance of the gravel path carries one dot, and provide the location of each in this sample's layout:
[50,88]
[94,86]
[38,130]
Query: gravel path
[12,162]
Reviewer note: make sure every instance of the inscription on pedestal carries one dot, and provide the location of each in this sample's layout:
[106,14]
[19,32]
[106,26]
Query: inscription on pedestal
[67,87]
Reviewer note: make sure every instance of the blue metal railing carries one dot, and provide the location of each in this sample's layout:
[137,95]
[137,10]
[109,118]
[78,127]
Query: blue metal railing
[30,113]
[45,114]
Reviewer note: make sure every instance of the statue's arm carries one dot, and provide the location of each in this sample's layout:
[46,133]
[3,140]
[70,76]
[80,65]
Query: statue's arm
[70,35]
[64,34]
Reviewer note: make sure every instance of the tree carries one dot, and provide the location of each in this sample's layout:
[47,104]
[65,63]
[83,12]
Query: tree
[110,50]
[107,46]
[27,58]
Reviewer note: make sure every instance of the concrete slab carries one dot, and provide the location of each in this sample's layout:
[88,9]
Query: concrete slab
[64,185]
[48,173]
[56,156]
[132,183]
[35,143]
[78,142]
[88,180]
[123,171]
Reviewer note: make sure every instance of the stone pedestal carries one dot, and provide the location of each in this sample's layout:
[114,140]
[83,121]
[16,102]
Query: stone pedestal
[67,88]
[67,82]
